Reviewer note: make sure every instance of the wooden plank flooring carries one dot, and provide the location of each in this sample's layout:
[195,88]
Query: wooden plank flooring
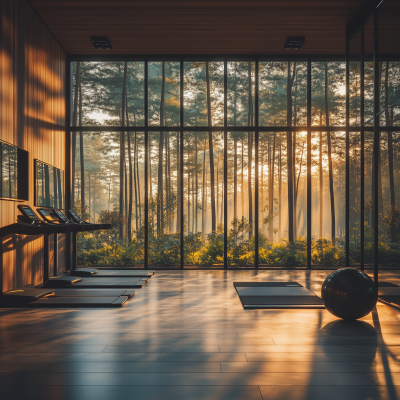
[185,336]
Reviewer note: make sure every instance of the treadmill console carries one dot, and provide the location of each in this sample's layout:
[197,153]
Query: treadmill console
[45,215]
[28,215]
[60,216]
[74,216]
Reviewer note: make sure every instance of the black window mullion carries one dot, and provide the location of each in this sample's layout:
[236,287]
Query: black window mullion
[375,172]
[225,164]
[256,205]
[347,167]
[146,169]
[182,233]
[309,198]
[362,180]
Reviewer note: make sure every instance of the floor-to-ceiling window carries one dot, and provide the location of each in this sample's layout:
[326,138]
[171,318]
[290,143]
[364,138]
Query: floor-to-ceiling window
[216,163]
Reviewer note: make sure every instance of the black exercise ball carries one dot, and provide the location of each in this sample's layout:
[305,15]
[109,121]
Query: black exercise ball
[349,293]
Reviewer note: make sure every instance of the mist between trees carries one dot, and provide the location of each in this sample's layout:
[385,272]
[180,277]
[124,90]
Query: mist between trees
[109,167]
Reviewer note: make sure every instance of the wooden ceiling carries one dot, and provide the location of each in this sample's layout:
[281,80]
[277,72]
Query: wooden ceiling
[199,26]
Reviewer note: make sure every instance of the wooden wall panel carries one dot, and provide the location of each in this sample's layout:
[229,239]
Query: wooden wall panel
[32,116]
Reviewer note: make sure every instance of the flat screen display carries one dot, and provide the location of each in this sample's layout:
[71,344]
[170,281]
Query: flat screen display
[44,214]
[60,214]
[29,212]
[74,214]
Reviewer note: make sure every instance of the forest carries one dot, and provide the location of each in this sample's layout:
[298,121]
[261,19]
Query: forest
[109,166]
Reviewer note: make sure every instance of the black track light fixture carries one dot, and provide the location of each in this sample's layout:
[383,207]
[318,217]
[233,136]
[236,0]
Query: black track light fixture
[101,42]
[294,42]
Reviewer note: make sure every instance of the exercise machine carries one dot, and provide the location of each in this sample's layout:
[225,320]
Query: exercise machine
[30,224]
[93,272]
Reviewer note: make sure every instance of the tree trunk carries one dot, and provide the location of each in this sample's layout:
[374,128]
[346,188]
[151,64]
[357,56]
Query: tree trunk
[203,203]
[130,200]
[81,153]
[333,218]
[94,198]
[390,151]
[271,193]
[122,157]
[135,181]
[138,186]
[210,150]
[262,187]
[235,178]
[218,210]
[242,178]
[280,193]
[321,188]
[160,190]
[151,184]
[74,123]
[109,193]
[193,204]
[188,203]
[126,194]
[90,214]
[178,189]
[166,134]
[197,183]
[250,151]
[170,202]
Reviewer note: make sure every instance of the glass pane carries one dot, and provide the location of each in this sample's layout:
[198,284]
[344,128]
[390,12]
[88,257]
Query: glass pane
[98,95]
[164,215]
[279,168]
[272,195]
[278,81]
[389,29]
[369,73]
[8,171]
[97,195]
[389,185]
[299,142]
[203,92]
[390,93]
[241,196]
[368,157]
[328,93]
[241,91]
[164,93]
[203,183]
[328,198]
[354,81]
[355,198]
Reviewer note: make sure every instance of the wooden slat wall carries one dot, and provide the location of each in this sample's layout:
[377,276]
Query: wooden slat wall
[32,116]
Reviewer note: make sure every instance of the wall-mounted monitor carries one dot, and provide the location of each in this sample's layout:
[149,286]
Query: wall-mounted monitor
[14,172]
[49,186]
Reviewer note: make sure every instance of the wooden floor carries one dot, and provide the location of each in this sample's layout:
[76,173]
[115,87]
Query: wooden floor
[185,335]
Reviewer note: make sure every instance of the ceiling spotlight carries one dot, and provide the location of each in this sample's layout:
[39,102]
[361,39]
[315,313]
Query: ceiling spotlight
[101,42]
[294,42]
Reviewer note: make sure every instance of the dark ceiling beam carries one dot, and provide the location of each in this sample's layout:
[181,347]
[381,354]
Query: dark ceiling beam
[362,18]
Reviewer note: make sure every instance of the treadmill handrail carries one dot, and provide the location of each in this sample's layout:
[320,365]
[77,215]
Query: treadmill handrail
[21,228]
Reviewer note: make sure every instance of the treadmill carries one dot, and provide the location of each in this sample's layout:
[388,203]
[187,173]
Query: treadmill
[72,281]
[30,224]
[94,272]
